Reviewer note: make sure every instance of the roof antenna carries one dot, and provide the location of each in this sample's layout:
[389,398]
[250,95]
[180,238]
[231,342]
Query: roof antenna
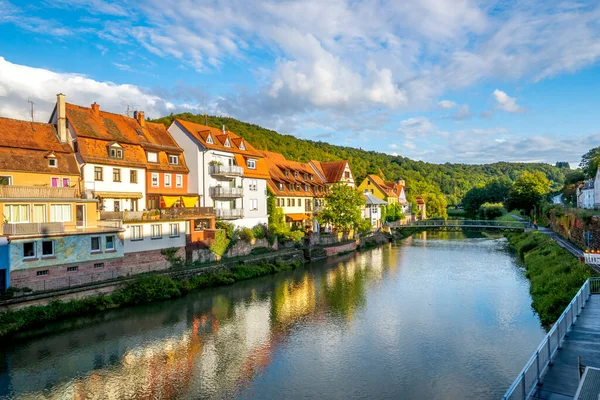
[32,105]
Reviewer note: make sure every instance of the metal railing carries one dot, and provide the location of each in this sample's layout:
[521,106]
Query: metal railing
[229,213]
[165,213]
[33,228]
[591,258]
[226,170]
[526,383]
[223,191]
[468,223]
[37,192]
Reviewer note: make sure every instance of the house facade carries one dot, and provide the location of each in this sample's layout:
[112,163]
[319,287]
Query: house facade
[372,209]
[218,161]
[586,195]
[332,172]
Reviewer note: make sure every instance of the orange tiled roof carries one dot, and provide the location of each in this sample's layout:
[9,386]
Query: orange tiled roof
[25,146]
[292,184]
[261,171]
[419,200]
[333,171]
[97,130]
[202,132]
[384,186]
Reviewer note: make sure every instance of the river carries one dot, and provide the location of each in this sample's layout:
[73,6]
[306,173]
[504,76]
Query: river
[432,317]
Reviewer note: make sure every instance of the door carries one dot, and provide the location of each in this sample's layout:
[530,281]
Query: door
[134,205]
[117,206]
[80,215]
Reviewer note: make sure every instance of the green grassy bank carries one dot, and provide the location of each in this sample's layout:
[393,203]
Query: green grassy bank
[141,291]
[555,275]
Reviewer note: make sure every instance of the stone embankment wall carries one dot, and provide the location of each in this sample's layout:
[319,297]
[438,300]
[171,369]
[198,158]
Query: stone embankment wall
[572,226]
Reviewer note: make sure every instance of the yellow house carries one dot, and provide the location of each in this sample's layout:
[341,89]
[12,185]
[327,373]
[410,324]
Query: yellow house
[386,191]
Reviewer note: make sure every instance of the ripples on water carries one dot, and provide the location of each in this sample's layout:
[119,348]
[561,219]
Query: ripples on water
[431,317]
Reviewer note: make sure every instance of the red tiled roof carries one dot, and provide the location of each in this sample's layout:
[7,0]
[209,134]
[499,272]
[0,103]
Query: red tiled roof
[278,165]
[333,171]
[25,146]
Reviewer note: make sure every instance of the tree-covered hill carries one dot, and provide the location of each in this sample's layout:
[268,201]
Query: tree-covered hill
[452,180]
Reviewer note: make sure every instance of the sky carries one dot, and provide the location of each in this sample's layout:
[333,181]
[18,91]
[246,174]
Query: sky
[436,80]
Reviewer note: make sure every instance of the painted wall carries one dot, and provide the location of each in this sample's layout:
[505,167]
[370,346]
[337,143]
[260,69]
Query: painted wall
[298,208]
[67,250]
[192,153]
[107,184]
[350,180]
[147,243]
[162,189]
[90,207]
[254,217]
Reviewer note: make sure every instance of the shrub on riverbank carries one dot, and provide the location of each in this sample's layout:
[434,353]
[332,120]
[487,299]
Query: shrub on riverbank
[140,291]
[555,275]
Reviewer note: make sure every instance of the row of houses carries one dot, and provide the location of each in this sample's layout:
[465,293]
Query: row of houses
[588,193]
[93,195]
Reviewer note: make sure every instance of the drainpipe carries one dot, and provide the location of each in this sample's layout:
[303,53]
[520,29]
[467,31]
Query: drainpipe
[203,179]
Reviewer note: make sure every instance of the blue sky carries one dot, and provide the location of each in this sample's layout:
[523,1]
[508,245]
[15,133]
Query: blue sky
[441,81]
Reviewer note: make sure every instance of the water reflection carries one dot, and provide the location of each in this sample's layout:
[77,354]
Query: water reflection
[408,319]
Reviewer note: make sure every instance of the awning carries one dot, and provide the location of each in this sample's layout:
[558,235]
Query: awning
[190,201]
[118,195]
[296,217]
[170,200]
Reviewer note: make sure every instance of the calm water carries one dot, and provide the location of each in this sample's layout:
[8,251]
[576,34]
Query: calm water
[430,317]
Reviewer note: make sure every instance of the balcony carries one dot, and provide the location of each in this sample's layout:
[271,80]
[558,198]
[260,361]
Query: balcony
[33,228]
[225,192]
[162,214]
[227,171]
[37,192]
[224,213]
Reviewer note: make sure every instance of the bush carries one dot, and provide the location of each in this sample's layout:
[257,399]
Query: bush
[491,210]
[260,231]
[246,234]
[228,227]
[221,243]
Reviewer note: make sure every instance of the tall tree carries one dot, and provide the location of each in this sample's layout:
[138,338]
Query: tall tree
[590,161]
[342,209]
[528,190]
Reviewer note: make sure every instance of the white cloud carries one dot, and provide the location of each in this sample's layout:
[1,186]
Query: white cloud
[412,127]
[506,103]
[446,104]
[462,113]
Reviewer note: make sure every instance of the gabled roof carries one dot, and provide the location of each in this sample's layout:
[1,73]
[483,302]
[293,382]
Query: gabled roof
[26,146]
[383,186]
[261,171]
[277,165]
[201,133]
[419,200]
[333,171]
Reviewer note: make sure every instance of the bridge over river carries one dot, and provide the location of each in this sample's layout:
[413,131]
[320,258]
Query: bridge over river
[461,225]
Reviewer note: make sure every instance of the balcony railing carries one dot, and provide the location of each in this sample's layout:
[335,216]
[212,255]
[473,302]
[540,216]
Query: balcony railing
[225,192]
[166,213]
[37,192]
[33,228]
[233,213]
[225,170]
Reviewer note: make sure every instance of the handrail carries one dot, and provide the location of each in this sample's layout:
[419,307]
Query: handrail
[526,382]
[463,222]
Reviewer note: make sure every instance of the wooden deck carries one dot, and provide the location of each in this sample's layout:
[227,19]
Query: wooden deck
[562,379]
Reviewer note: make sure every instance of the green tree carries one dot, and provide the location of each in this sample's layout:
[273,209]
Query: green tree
[574,177]
[528,190]
[590,161]
[342,209]
[277,223]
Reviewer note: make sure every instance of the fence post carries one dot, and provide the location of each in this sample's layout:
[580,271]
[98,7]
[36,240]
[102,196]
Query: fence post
[537,359]
[549,352]
[523,386]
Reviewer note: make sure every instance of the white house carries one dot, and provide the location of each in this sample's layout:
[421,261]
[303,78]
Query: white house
[226,171]
[586,195]
[372,209]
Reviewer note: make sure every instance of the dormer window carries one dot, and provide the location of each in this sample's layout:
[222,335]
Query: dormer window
[306,188]
[227,144]
[251,164]
[173,160]
[286,173]
[209,139]
[53,162]
[115,151]
[243,147]
[295,174]
[280,186]
[152,157]
[311,177]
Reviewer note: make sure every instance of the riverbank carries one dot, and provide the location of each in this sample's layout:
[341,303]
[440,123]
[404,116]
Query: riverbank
[555,275]
[142,290]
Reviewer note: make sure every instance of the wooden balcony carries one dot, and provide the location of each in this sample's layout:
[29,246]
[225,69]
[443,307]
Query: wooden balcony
[226,170]
[37,192]
[225,192]
[33,228]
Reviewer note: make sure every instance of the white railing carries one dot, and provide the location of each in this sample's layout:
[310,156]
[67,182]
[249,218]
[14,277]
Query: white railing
[591,258]
[223,191]
[468,223]
[231,170]
[526,383]
[229,213]
[33,228]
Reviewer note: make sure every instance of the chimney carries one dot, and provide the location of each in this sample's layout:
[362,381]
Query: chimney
[224,131]
[96,108]
[61,118]
[139,116]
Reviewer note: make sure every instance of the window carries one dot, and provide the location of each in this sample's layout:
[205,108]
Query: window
[29,250]
[42,272]
[291,186]
[136,232]
[277,202]
[110,243]
[280,186]
[39,213]
[95,243]
[253,204]
[174,160]
[209,139]
[368,183]
[152,157]
[289,202]
[179,180]
[98,265]
[251,164]
[306,188]
[167,180]
[116,174]
[72,269]
[155,181]
[132,176]
[117,206]
[66,182]
[156,232]
[5,180]
[253,185]
[53,162]
[16,212]
[347,174]
[311,177]
[60,213]
[75,147]
[174,230]
[47,248]
[97,173]
[227,144]
[295,174]
[54,182]
[115,152]
[293,202]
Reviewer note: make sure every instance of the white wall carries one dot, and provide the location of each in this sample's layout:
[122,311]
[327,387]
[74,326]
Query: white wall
[147,243]
[107,184]
[588,198]
[252,218]
[192,155]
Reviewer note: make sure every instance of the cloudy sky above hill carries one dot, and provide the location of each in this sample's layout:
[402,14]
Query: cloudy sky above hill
[437,80]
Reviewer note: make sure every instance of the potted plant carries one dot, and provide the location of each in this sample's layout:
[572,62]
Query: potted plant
[144,215]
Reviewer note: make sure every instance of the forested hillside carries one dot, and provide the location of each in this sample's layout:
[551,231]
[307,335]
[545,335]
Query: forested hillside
[452,180]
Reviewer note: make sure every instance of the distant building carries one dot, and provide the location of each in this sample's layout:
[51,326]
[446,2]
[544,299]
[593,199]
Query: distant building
[421,207]
[334,171]
[390,192]
[586,195]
